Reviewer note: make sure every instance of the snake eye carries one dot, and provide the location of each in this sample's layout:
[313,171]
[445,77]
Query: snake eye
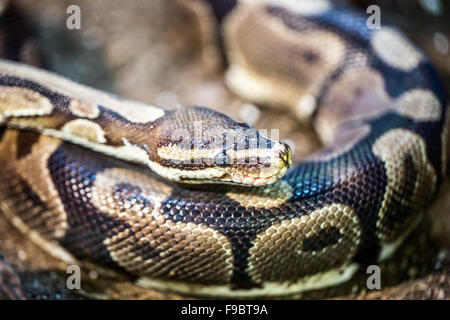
[222,159]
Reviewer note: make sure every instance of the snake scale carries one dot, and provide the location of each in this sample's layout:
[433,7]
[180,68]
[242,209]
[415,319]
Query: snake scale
[227,216]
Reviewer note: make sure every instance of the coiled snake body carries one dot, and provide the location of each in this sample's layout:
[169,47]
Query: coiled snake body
[374,99]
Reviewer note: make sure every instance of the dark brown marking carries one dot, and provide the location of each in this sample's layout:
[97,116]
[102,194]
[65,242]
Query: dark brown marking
[2,132]
[310,56]
[325,238]
[400,212]
[25,142]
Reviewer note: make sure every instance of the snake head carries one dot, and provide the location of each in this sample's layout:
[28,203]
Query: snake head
[199,145]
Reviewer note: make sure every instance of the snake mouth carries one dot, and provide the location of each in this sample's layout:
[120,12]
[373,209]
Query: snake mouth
[262,175]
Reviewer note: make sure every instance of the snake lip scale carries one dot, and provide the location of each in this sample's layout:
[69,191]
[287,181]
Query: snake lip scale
[225,219]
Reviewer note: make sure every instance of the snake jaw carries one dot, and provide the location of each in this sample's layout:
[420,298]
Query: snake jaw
[236,174]
[280,162]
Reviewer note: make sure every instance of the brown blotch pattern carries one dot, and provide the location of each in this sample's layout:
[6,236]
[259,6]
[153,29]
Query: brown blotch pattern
[302,247]
[394,148]
[155,246]
[292,62]
[419,104]
[15,101]
[42,210]
[355,95]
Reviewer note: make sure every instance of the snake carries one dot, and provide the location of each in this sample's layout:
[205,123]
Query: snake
[190,201]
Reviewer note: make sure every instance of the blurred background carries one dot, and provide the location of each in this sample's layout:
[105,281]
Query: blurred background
[151,51]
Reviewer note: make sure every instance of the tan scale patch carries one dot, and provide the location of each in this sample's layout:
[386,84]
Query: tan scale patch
[86,129]
[357,94]
[33,169]
[8,146]
[83,109]
[344,141]
[203,254]
[395,50]
[272,196]
[279,254]
[393,148]
[109,178]
[18,102]
[273,64]
[419,104]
